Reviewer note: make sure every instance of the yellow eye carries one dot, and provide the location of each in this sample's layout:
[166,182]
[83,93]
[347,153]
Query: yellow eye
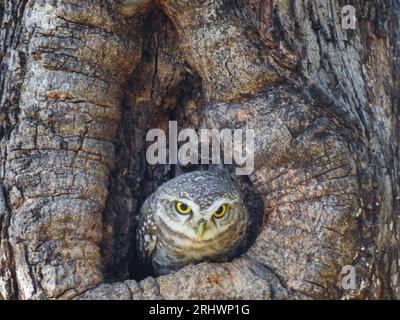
[182,208]
[221,211]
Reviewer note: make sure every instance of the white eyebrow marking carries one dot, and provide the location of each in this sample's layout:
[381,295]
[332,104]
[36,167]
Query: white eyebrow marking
[214,207]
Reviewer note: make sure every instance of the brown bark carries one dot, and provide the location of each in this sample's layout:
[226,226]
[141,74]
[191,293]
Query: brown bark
[81,83]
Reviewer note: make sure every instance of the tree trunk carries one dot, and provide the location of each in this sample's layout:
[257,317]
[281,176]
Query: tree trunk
[81,83]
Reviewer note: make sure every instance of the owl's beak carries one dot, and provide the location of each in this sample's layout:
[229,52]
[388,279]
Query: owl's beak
[201,228]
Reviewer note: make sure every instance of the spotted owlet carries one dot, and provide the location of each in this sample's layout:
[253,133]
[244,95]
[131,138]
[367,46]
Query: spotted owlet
[198,216]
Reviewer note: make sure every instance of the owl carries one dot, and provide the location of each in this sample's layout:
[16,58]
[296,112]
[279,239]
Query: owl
[197,216]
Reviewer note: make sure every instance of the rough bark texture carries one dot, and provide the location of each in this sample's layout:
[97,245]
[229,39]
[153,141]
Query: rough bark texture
[81,83]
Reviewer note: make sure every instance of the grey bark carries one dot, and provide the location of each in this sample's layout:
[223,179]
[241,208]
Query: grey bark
[81,83]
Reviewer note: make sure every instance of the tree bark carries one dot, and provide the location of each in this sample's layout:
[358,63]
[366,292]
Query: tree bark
[81,83]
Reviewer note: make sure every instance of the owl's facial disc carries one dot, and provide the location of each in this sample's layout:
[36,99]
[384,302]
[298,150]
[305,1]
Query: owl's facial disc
[198,222]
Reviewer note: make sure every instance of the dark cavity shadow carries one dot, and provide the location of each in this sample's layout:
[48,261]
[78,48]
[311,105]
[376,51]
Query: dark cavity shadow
[162,88]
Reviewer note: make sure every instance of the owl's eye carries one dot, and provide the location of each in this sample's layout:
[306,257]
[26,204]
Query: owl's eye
[221,211]
[182,208]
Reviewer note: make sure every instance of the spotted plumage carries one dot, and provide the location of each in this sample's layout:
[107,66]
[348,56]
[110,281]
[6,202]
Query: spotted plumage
[198,216]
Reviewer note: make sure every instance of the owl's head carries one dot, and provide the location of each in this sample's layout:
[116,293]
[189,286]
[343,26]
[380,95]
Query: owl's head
[201,205]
